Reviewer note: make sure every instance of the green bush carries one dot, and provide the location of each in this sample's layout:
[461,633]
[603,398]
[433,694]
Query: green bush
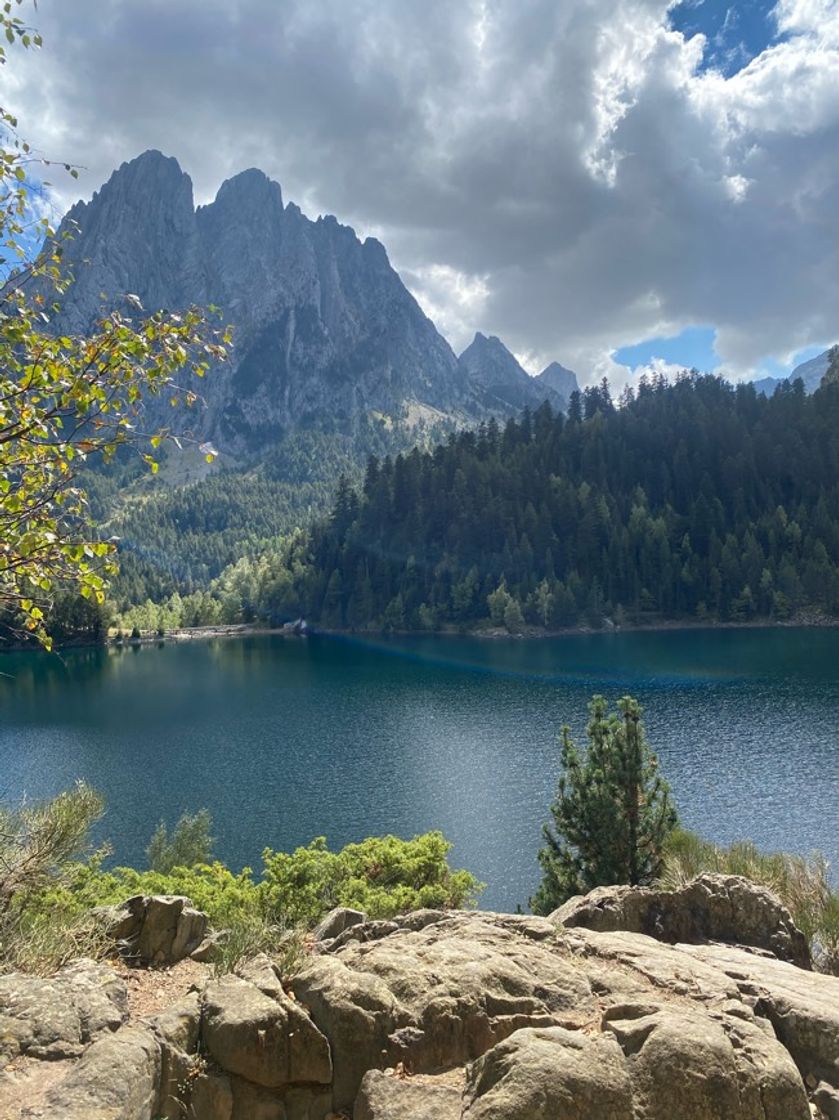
[382,876]
[189,845]
[49,912]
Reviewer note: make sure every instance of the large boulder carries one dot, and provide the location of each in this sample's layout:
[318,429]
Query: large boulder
[550,1074]
[803,1007]
[438,995]
[59,1017]
[265,1039]
[647,1062]
[383,1096]
[336,921]
[177,1031]
[724,908]
[118,1078]
[550,1023]
[158,929]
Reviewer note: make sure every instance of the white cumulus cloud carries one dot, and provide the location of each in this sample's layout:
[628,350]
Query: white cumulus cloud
[565,175]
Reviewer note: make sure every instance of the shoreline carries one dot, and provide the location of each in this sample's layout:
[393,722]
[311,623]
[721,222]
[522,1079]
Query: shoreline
[493,634]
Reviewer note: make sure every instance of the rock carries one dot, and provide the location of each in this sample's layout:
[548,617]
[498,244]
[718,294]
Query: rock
[632,966]
[253,1102]
[177,1031]
[682,1062]
[212,1097]
[803,1007]
[709,908]
[647,1063]
[158,929]
[557,1023]
[118,1078]
[336,921]
[383,1097]
[827,1100]
[563,381]
[356,1012]
[263,974]
[500,380]
[437,996]
[550,1074]
[207,951]
[267,1040]
[59,1017]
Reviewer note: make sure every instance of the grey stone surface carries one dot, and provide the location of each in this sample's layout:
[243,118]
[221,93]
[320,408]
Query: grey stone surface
[439,995]
[647,1063]
[324,328]
[384,1097]
[266,1040]
[60,1016]
[118,1078]
[709,908]
[336,921]
[158,929]
[550,1024]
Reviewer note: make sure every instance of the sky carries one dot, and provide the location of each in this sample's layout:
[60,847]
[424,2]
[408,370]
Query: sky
[611,185]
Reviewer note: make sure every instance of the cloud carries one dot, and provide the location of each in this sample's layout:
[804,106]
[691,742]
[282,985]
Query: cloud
[566,176]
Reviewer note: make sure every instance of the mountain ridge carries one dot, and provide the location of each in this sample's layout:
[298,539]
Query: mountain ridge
[326,334]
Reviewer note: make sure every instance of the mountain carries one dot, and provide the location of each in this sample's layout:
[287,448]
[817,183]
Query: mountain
[811,373]
[326,335]
[501,385]
[563,381]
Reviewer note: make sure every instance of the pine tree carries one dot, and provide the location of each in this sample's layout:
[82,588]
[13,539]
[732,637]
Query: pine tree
[613,810]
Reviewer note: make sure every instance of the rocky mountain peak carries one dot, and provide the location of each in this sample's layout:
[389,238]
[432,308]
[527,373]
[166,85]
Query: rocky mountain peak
[560,379]
[250,189]
[326,334]
[500,379]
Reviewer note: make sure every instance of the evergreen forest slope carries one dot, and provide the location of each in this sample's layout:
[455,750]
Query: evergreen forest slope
[695,499]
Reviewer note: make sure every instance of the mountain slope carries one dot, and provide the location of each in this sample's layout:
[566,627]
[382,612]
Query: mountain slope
[500,383]
[325,332]
[811,373]
[563,381]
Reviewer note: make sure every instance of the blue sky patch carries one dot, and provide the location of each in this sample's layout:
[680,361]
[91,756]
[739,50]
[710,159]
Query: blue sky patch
[736,31]
[693,347]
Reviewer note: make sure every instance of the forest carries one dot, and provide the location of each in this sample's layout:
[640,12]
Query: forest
[685,499]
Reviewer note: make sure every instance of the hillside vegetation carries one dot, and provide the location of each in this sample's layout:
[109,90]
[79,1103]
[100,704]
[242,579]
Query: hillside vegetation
[692,500]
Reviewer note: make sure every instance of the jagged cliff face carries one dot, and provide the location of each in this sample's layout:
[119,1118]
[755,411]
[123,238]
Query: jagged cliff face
[325,332]
[500,384]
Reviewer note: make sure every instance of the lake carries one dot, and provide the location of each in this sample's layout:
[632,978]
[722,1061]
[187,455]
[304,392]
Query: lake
[286,739]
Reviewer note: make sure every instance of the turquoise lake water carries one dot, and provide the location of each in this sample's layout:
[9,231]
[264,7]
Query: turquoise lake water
[287,739]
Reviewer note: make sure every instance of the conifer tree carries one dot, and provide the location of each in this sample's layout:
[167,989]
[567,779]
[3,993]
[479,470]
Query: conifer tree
[613,810]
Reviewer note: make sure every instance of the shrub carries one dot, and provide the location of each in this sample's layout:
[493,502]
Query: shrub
[38,840]
[189,845]
[381,875]
[49,897]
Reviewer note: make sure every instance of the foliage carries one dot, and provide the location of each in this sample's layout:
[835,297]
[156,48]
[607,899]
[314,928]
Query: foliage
[190,843]
[694,499]
[38,840]
[49,893]
[178,539]
[382,876]
[612,813]
[802,884]
[67,401]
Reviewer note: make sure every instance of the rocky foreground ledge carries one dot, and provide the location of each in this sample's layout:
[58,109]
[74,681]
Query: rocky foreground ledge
[457,1016]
